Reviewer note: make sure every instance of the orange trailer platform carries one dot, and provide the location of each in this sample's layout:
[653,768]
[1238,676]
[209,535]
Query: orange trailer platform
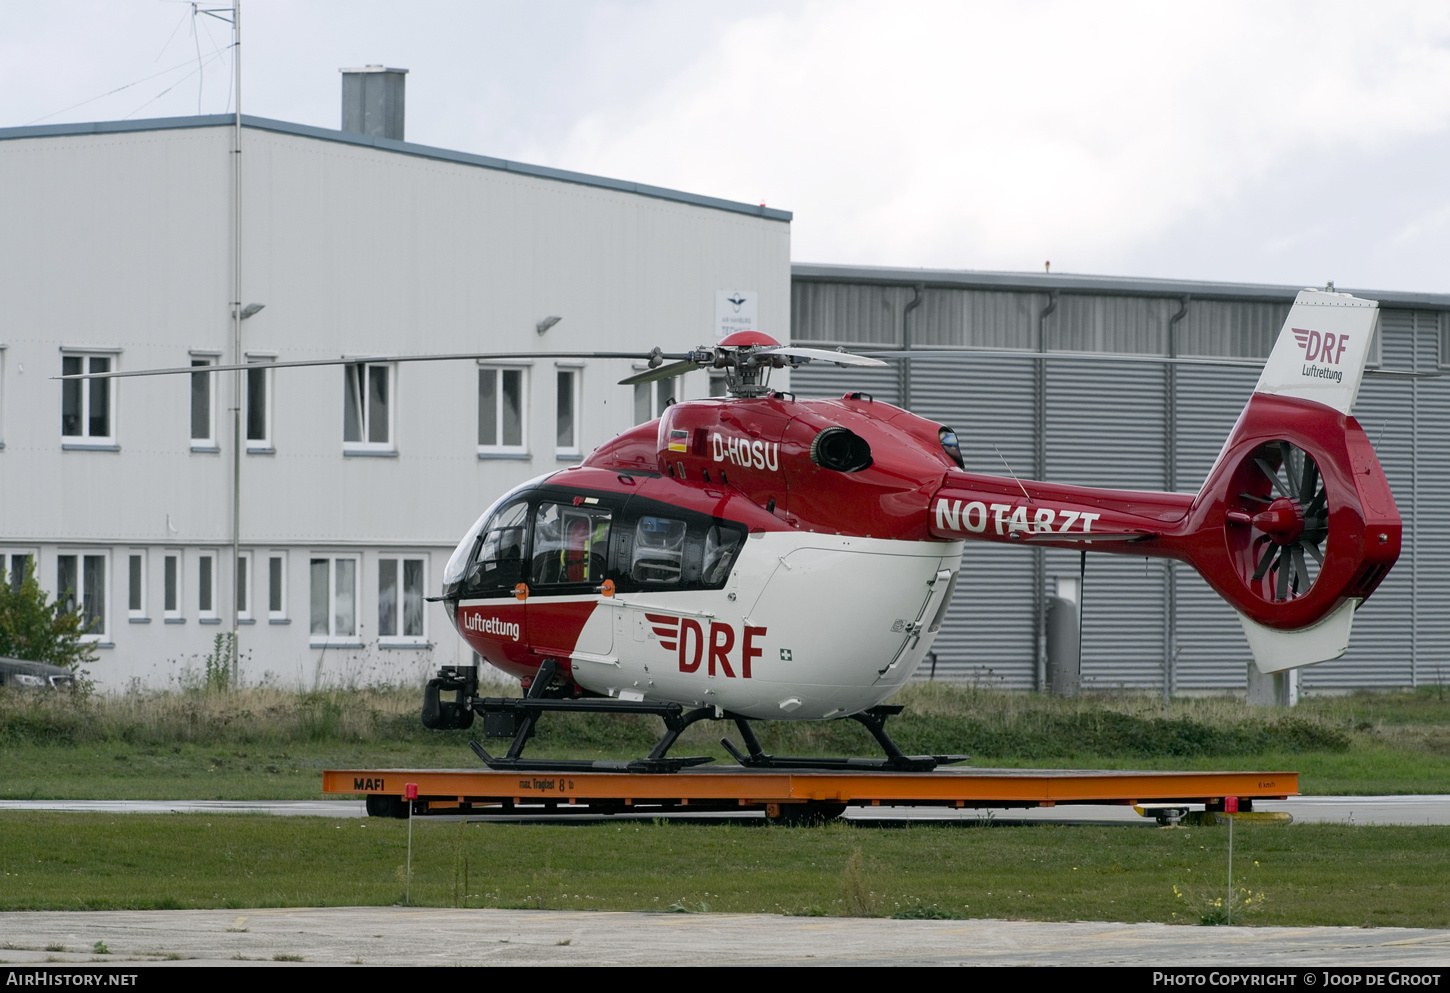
[792,794]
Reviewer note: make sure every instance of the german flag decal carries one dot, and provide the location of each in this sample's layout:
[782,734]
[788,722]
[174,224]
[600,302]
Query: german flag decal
[678,439]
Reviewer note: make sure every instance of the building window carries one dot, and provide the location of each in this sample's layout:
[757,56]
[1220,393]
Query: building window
[718,386]
[367,424]
[18,566]
[650,399]
[566,421]
[87,406]
[501,407]
[81,586]
[259,406]
[277,587]
[136,585]
[244,586]
[334,600]
[206,588]
[203,411]
[400,598]
[171,587]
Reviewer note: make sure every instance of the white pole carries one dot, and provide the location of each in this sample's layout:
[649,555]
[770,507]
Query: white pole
[237,377]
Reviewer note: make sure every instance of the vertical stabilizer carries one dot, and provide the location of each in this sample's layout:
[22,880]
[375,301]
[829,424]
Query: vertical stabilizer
[1322,350]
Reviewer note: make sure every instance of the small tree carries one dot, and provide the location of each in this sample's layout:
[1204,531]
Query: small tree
[40,631]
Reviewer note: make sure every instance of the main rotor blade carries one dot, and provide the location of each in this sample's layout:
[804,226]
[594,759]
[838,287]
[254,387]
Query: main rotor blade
[824,355]
[663,372]
[1006,353]
[1204,360]
[359,359]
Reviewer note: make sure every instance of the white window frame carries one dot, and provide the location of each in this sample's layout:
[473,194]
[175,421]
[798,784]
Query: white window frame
[100,635]
[201,359]
[572,447]
[243,583]
[174,613]
[657,393]
[277,616]
[363,446]
[334,637]
[85,439]
[496,449]
[263,445]
[7,562]
[138,615]
[208,570]
[398,638]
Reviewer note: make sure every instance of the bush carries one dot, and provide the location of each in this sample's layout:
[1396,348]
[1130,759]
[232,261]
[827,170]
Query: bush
[39,631]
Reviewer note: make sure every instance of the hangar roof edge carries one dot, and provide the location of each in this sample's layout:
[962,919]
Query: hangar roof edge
[1042,282]
[403,147]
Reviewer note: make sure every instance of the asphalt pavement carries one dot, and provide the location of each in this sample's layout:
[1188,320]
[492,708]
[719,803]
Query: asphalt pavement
[401,936]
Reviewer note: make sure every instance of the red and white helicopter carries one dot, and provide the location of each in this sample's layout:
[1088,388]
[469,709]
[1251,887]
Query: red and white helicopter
[761,557]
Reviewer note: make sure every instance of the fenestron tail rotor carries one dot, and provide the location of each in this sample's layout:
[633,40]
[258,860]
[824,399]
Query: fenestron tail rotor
[1283,510]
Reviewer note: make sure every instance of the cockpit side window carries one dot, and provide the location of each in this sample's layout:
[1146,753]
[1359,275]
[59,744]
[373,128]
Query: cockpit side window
[497,563]
[571,544]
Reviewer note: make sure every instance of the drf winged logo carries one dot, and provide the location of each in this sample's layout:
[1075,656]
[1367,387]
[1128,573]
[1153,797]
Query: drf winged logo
[1321,347]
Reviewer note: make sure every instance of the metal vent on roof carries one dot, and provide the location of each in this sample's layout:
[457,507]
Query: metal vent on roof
[372,101]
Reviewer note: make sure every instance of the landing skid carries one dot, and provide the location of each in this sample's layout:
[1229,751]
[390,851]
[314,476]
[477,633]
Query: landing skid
[874,720]
[520,716]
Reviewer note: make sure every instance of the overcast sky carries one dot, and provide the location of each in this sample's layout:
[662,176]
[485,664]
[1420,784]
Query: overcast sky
[1284,143]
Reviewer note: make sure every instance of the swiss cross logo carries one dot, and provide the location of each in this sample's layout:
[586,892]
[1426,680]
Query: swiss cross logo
[1323,346]
[689,641]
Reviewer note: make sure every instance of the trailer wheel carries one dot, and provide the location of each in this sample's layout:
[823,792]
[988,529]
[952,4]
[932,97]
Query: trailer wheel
[810,814]
[381,805]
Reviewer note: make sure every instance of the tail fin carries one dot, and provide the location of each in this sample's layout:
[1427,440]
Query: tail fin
[1296,525]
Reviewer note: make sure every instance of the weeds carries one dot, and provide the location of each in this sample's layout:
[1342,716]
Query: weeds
[1218,908]
[860,900]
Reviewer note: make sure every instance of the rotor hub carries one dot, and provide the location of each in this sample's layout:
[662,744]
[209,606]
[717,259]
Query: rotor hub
[1282,521]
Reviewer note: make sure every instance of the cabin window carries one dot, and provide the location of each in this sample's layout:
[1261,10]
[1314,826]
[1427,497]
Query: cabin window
[659,550]
[571,544]
[497,564]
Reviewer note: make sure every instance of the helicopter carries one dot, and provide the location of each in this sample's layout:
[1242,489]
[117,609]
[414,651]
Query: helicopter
[763,557]
[758,556]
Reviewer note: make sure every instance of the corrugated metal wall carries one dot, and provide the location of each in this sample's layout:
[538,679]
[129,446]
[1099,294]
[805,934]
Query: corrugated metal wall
[1139,426]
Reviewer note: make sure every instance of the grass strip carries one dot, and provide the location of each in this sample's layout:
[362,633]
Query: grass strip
[1311,874]
[266,743]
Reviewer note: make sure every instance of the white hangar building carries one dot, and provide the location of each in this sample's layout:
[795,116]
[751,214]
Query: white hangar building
[116,253]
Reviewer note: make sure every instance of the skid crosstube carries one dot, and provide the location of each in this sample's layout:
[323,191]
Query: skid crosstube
[726,788]
[517,718]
